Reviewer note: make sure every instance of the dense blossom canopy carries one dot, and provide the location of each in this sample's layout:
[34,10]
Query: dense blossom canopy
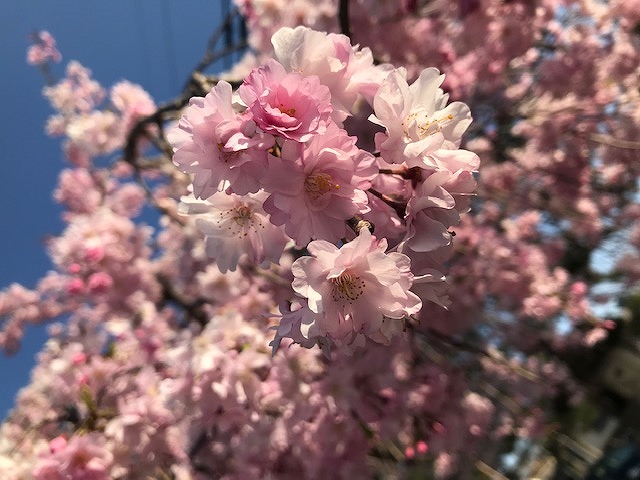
[329,291]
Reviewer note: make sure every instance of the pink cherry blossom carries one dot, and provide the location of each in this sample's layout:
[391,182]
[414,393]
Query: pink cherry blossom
[162,360]
[429,215]
[97,132]
[82,457]
[301,326]
[287,105]
[416,117]
[219,146]
[324,186]
[357,289]
[43,49]
[346,70]
[132,101]
[235,227]
[77,92]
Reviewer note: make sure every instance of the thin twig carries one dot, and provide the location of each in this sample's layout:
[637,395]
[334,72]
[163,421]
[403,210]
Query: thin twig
[615,142]
[481,352]
[398,207]
[404,173]
[225,28]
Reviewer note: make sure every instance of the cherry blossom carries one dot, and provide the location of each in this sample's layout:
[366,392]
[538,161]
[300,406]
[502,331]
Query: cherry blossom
[43,49]
[374,313]
[325,186]
[218,145]
[346,70]
[81,457]
[286,105]
[235,226]
[417,119]
[358,288]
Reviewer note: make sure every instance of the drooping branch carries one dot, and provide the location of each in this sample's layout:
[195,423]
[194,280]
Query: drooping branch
[480,352]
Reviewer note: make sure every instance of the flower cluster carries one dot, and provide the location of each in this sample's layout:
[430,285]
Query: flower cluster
[94,129]
[274,165]
[161,367]
[43,49]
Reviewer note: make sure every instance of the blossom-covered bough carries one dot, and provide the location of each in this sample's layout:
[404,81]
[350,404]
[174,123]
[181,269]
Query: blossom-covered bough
[318,298]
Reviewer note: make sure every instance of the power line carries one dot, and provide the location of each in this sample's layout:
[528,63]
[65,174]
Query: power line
[143,36]
[169,44]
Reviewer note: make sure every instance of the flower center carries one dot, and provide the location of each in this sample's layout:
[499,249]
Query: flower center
[317,184]
[80,459]
[238,220]
[242,215]
[288,111]
[227,155]
[347,287]
[420,124]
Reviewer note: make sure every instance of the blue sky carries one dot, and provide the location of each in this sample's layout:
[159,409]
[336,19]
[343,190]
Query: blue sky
[151,42]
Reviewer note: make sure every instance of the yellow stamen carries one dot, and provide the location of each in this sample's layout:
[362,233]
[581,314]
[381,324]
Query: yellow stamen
[317,184]
[289,111]
[347,287]
[425,125]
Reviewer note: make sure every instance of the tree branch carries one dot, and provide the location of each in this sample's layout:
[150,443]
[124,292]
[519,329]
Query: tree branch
[343,17]
[614,142]
[192,308]
[226,29]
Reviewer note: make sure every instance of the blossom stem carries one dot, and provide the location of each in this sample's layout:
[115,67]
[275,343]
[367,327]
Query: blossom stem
[402,173]
[357,223]
[398,207]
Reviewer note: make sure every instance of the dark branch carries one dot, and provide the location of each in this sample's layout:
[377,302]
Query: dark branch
[192,308]
[343,16]
[225,29]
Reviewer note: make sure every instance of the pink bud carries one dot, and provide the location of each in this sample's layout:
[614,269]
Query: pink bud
[579,289]
[57,444]
[74,268]
[422,447]
[82,379]
[409,453]
[100,282]
[79,358]
[75,286]
[93,254]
